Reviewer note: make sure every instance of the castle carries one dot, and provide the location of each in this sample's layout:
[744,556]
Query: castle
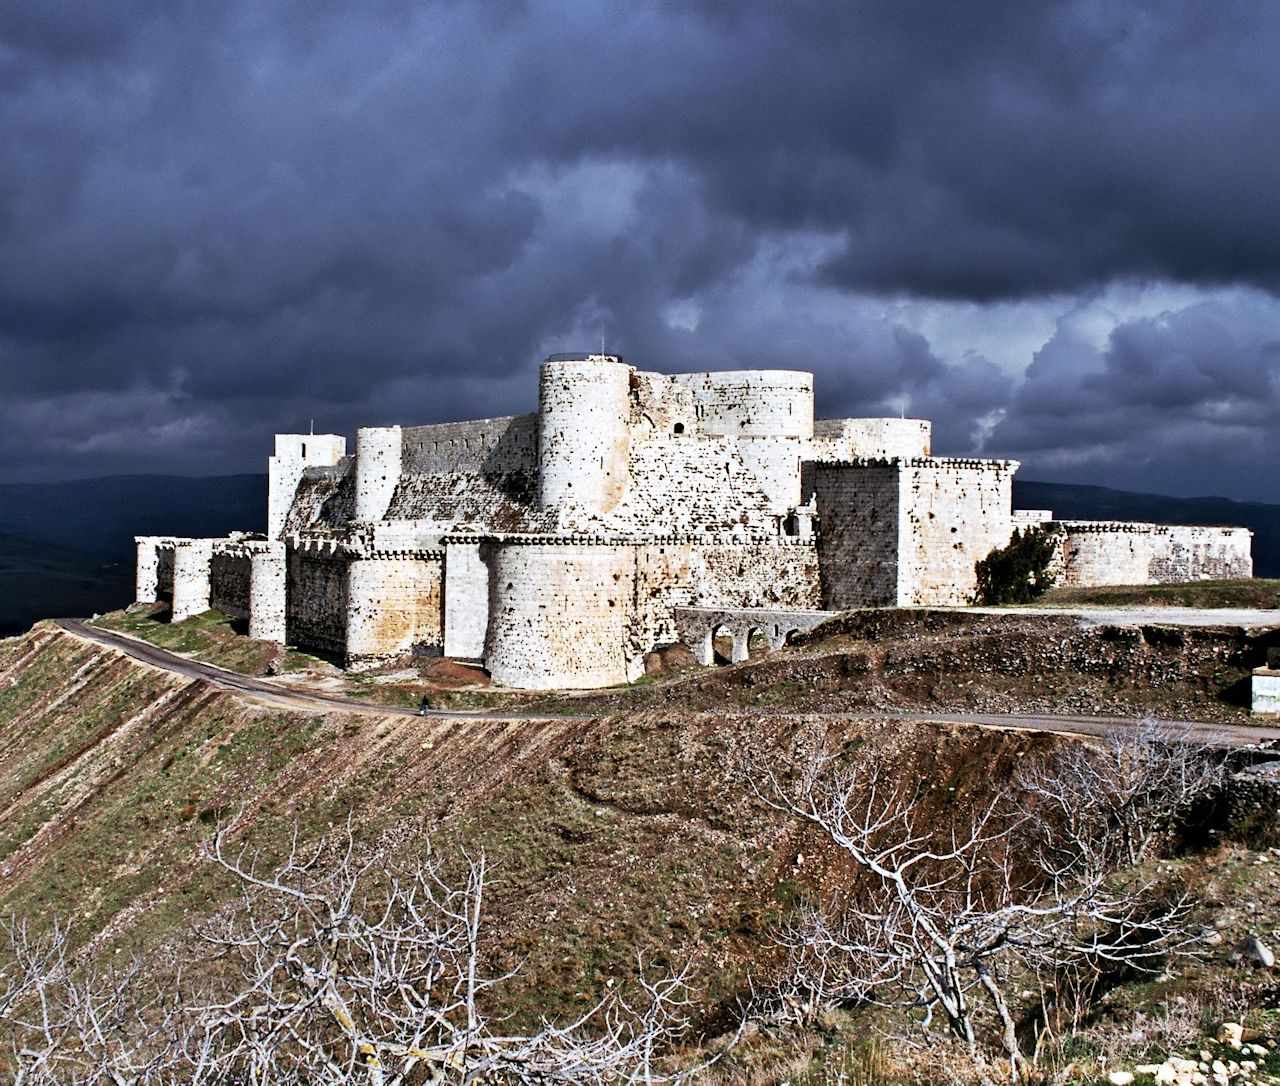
[558,546]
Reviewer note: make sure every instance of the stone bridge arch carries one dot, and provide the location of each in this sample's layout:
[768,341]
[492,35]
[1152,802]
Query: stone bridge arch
[697,628]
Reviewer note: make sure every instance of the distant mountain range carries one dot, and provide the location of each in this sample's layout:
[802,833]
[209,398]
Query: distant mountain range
[67,548]
[1071,502]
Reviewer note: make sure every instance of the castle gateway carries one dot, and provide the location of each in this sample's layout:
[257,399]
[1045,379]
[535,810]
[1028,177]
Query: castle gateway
[557,546]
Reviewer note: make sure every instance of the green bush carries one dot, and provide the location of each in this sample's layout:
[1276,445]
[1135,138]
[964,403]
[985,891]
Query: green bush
[1019,572]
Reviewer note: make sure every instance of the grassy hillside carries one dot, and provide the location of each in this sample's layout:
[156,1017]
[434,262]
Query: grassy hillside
[114,773]
[607,838]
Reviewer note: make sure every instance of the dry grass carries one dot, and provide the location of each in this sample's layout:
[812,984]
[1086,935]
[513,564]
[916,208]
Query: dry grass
[1256,592]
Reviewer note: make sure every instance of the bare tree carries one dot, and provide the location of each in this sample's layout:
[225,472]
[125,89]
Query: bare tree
[1124,792]
[325,971]
[349,973]
[943,918]
[70,1026]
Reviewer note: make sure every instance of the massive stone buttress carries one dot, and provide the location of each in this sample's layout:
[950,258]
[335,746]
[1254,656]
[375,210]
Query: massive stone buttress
[558,546]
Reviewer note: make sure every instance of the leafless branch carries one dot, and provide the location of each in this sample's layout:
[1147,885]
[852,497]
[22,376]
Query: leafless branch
[942,916]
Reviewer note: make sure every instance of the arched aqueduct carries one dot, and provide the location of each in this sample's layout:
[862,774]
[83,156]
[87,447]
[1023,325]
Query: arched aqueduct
[698,626]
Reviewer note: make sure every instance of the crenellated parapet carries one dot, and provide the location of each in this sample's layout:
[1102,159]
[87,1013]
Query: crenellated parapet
[561,547]
[1118,552]
[933,463]
[585,539]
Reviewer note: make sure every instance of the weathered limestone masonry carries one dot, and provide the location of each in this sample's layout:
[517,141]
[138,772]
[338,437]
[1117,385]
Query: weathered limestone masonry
[849,439]
[907,532]
[1111,552]
[294,454]
[562,546]
[247,582]
[699,625]
[268,578]
[230,571]
[191,581]
[153,574]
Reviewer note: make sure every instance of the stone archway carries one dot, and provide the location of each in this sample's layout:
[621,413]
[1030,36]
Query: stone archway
[722,645]
[758,643]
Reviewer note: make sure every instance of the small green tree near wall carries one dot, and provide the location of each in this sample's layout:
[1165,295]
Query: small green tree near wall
[1019,572]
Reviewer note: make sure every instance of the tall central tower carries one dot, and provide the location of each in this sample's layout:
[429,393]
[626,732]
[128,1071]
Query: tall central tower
[584,437]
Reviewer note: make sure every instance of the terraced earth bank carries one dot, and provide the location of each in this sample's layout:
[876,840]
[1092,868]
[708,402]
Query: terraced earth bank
[1012,662]
[609,838]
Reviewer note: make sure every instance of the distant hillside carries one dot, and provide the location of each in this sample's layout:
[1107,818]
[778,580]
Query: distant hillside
[43,580]
[1070,502]
[101,516]
[55,537]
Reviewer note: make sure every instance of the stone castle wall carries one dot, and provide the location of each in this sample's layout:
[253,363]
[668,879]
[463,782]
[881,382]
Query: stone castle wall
[191,562]
[153,571]
[858,510]
[769,413]
[230,574]
[466,599]
[752,403]
[496,502]
[294,454]
[661,406]
[690,483]
[584,434]
[855,439]
[394,607]
[557,545]
[583,614]
[491,446]
[316,601]
[908,532]
[324,499]
[378,467]
[559,615]
[673,574]
[268,593]
[1111,553]
[953,514]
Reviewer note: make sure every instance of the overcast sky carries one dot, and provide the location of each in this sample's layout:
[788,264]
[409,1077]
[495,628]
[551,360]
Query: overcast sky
[1052,228]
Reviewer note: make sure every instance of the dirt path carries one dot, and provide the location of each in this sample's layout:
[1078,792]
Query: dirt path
[1107,615]
[280,695]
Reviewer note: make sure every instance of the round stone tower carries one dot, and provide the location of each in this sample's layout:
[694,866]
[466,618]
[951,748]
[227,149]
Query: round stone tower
[584,438]
[377,470]
[558,615]
[770,414]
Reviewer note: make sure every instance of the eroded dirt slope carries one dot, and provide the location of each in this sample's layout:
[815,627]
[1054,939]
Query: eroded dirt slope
[1000,663]
[608,838]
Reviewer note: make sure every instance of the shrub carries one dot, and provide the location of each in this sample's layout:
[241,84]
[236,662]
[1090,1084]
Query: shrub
[1019,572]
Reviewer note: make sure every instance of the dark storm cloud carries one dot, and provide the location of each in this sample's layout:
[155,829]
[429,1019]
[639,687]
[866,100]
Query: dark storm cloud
[1185,403]
[219,220]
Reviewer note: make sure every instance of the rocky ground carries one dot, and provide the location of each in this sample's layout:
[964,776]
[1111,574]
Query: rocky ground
[636,832]
[867,660]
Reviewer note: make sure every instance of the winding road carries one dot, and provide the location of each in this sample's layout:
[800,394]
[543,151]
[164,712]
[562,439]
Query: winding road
[282,696]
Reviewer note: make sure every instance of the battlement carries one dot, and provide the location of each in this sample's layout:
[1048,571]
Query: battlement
[939,463]
[560,546]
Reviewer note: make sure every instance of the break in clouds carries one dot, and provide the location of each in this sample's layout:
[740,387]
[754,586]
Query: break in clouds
[1050,227]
